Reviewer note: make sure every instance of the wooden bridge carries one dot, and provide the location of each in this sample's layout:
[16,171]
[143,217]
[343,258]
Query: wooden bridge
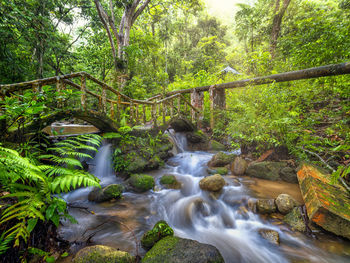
[104,107]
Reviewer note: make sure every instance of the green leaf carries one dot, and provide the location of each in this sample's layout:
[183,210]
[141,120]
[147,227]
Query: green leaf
[31,224]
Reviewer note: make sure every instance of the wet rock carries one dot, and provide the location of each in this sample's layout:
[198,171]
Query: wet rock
[289,175]
[243,212]
[327,205]
[170,181]
[266,170]
[161,229]
[102,254]
[252,205]
[295,220]
[110,192]
[239,166]
[216,146]
[221,159]
[266,206]
[182,125]
[218,170]
[172,163]
[270,235]
[141,182]
[196,137]
[213,183]
[179,250]
[285,203]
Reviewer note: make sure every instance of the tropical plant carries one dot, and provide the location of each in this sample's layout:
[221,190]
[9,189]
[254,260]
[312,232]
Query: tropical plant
[31,187]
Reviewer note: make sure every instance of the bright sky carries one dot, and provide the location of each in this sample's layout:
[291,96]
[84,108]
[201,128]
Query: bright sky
[224,9]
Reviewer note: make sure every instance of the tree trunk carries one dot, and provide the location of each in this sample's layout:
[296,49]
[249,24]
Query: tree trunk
[276,25]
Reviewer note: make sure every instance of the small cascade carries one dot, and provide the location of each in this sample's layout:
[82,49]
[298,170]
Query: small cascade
[103,166]
[178,139]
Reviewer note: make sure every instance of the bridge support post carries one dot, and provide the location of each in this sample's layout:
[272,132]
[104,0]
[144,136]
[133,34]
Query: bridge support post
[59,89]
[131,113]
[112,111]
[154,114]
[179,106]
[136,114]
[104,99]
[217,102]
[197,101]
[83,92]
[144,113]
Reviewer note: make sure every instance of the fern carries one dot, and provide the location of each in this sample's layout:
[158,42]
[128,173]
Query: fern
[33,186]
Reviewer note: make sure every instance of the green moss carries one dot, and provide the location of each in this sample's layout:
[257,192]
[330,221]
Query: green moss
[222,170]
[160,230]
[113,191]
[216,146]
[161,248]
[102,254]
[168,179]
[141,182]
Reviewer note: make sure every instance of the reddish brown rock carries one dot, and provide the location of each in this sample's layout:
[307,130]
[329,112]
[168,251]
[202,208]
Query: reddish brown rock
[327,205]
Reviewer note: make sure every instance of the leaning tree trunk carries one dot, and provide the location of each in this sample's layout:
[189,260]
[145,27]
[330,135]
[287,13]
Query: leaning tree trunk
[276,25]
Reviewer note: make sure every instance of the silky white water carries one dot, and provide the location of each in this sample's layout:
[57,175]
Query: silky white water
[191,212]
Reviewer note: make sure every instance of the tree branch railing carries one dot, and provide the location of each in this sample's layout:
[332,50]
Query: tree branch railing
[162,106]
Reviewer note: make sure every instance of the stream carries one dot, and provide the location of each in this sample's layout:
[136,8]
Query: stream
[221,221]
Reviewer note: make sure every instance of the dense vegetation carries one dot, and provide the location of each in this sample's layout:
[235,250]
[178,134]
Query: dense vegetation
[150,47]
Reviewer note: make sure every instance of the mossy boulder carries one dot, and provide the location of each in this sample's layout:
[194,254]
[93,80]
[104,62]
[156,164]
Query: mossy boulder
[222,170]
[270,235]
[102,254]
[266,206]
[295,220]
[213,183]
[110,192]
[216,146]
[221,159]
[179,250]
[161,229]
[141,182]
[182,125]
[266,170]
[170,181]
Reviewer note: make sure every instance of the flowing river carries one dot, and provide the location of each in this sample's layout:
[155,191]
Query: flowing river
[222,221]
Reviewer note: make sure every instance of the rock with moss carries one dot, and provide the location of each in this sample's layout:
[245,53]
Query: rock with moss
[222,170]
[160,230]
[285,203]
[113,191]
[179,250]
[216,146]
[266,206]
[141,182]
[270,235]
[170,181]
[182,125]
[102,254]
[221,159]
[213,183]
[295,220]
[266,170]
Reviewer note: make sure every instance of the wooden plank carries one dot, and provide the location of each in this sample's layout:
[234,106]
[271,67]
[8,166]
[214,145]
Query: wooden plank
[164,112]
[154,114]
[132,113]
[136,114]
[104,99]
[172,109]
[112,111]
[179,106]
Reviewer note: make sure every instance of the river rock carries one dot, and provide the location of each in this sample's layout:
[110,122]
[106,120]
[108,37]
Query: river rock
[216,146]
[182,125]
[295,220]
[239,166]
[266,206]
[213,183]
[266,170]
[252,204]
[221,159]
[179,250]
[170,181]
[285,203]
[289,175]
[270,235]
[161,229]
[102,254]
[327,205]
[218,170]
[110,192]
[141,182]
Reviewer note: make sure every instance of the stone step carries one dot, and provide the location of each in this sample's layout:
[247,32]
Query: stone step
[327,205]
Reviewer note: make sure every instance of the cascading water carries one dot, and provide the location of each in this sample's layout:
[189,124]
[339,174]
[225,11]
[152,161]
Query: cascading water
[195,214]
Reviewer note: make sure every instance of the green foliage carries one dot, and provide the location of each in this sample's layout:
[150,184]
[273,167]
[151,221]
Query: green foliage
[33,185]
[160,230]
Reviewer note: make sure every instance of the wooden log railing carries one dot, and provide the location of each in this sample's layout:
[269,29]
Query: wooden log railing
[162,106]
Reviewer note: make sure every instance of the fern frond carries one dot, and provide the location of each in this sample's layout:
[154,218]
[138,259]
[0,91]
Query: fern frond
[70,182]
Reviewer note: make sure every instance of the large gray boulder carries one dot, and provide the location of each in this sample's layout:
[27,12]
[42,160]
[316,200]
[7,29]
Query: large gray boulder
[295,220]
[266,170]
[113,191]
[179,250]
[266,206]
[102,254]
